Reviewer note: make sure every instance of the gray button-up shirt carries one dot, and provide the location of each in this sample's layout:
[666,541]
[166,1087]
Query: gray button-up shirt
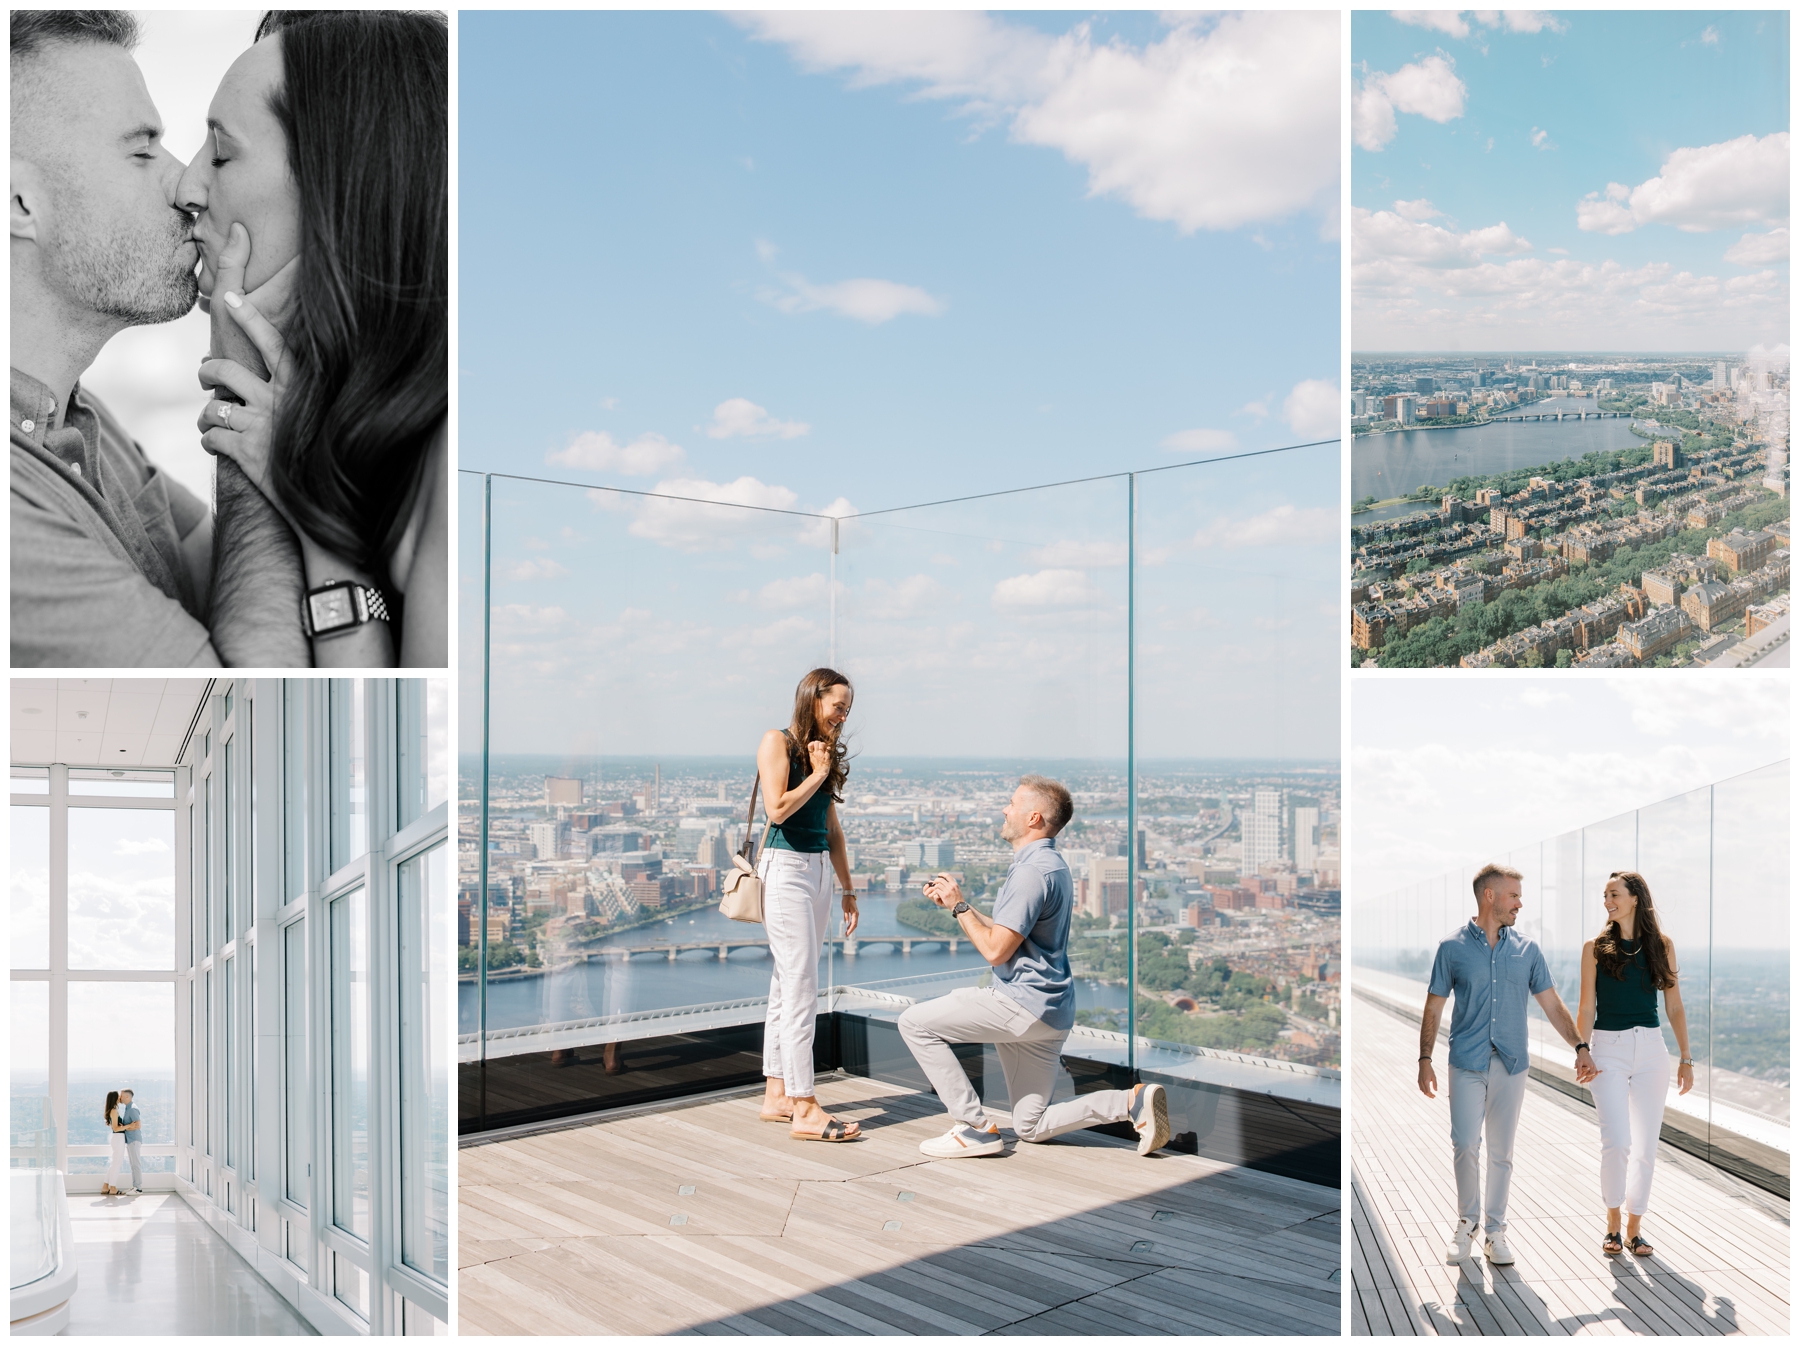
[1492,985]
[1038,901]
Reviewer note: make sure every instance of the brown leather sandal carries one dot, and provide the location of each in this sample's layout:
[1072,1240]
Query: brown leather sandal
[834,1130]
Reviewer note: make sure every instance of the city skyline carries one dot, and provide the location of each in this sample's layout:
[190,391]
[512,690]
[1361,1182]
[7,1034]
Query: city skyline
[1526,181]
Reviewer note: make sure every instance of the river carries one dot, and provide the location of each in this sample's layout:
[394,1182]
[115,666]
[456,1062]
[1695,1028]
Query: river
[651,981]
[1398,464]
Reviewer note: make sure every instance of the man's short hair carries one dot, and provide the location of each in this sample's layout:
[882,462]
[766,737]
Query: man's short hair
[1059,806]
[35,29]
[1490,872]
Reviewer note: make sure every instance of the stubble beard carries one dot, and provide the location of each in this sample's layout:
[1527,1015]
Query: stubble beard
[134,276]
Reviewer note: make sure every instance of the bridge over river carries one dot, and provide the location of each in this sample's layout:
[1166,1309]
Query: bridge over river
[1565,416]
[724,947]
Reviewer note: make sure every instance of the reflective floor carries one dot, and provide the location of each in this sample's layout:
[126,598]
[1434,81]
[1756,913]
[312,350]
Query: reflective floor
[151,1267]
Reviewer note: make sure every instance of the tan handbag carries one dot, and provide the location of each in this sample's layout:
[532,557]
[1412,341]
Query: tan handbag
[740,888]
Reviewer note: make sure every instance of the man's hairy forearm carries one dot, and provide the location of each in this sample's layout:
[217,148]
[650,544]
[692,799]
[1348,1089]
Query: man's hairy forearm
[1428,1032]
[258,579]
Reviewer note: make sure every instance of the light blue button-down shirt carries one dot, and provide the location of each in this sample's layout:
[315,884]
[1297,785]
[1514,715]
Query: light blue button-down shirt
[1038,901]
[127,1116]
[1492,985]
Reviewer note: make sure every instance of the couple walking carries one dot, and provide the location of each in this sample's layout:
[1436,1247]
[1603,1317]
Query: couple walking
[127,1130]
[1491,969]
[1026,1013]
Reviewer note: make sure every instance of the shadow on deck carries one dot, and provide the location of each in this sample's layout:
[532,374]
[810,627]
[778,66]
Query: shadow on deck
[697,1218]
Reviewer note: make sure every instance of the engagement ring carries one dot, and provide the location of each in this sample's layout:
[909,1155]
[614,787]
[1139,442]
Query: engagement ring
[225,414]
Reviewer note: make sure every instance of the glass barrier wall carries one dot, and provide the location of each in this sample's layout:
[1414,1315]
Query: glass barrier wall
[634,648]
[1716,862]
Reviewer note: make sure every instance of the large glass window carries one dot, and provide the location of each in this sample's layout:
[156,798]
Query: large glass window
[350,1062]
[295,1141]
[424,771]
[226,1104]
[425,1062]
[349,789]
[121,1036]
[29,930]
[122,784]
[121,889]
[230,829]
[33,1137]
[206,886]
[293,787]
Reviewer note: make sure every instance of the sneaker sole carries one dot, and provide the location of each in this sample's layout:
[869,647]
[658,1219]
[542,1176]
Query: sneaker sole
[1159,1121]
[985,1152]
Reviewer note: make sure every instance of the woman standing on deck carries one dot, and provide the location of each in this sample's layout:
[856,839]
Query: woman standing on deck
[802,770]
[1622,969]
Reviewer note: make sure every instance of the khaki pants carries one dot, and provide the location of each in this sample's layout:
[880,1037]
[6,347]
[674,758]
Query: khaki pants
[1030,1054]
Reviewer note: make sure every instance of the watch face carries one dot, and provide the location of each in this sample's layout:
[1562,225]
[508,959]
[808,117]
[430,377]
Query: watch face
[331,609]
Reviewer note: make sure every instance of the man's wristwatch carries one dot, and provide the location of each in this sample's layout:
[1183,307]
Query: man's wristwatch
[1583,1047]
[340,605]
[960,908]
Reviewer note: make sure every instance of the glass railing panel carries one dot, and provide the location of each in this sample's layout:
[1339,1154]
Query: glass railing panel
[1674,856]
[641,645]
[1749,1046]
[986,639]
[1238,788]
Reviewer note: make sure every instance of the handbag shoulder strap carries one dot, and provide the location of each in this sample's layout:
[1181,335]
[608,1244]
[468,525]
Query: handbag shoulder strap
[750,817]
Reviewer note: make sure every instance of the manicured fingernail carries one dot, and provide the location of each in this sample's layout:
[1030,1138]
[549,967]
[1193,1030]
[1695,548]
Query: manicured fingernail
[233,298]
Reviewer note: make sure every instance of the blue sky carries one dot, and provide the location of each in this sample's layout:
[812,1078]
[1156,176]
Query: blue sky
[1637,161]
[829,262]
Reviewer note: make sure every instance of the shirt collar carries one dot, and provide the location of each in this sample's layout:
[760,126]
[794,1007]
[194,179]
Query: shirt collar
[1030,846]
[35,411]
[1475,932]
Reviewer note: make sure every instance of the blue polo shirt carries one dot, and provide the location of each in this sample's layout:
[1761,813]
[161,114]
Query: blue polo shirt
[127,1116]
[1038,901]
[1492,986]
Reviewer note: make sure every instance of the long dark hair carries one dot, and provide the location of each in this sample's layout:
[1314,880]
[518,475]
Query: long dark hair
[364,103]
[112,1101]
[1609,954]
[805,727]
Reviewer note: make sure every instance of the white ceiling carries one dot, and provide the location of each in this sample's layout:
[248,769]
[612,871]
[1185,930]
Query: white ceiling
[136,722]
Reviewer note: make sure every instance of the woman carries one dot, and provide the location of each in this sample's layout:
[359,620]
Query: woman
[107,1186]
[802,770]
[1622,969]
[323,188]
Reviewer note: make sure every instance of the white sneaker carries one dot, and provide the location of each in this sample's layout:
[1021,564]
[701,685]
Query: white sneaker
[1150,1115]
[1499,1252]
[1461,1243]
[964,1142]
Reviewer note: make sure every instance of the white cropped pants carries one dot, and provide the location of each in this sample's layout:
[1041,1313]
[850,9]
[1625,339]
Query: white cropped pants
[796,909]
[118,1159]
[1629,1094]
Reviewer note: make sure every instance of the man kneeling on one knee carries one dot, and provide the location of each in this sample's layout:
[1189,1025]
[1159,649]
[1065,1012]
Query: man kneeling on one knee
[1030,1008]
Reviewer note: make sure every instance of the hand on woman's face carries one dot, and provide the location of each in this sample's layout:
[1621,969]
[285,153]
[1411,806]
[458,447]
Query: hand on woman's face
[242,174]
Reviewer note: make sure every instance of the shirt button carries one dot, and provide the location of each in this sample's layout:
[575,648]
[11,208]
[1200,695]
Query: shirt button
[75,468]
[27,426]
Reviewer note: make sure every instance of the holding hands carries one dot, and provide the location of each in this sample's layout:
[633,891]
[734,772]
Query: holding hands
[1585,1069]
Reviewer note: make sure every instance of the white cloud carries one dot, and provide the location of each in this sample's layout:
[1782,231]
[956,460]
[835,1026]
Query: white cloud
[703,521]
[1220,123]
[1427,88]
[913,596]
[864,299]
[1438,20]
[146,846]
[1733,183]
[741,416]
[1709,36]
[1283,526]
[1200,441]
[597,451]
[1540,139]
[1055,588]
[1313,410]
[1452,22]
[1417,211]
[1759,249]
[1382,235]
[538,568]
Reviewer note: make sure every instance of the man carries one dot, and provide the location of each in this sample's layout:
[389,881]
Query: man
[1028,1010]
[113,561]
[134,1134]
[1491,969]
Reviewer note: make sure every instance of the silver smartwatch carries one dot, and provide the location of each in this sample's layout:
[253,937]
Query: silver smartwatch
[340,605]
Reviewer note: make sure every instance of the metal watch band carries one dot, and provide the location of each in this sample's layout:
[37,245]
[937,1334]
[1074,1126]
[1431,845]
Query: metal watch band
[377,605]
[367,600]
[960,908]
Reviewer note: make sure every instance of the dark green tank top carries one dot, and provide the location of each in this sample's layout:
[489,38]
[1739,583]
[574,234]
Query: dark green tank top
[1630,1003]
[805,830]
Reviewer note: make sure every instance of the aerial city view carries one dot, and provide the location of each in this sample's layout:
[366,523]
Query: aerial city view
[603,892]
[1570,378]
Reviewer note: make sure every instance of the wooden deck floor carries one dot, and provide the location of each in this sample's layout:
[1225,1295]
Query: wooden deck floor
[1721,1261]
[698,1218]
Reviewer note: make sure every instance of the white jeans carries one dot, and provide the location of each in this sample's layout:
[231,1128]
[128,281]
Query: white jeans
[118,1159]
[1030,1055]
[1485,1101]
[796,908]
[1629,1094]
